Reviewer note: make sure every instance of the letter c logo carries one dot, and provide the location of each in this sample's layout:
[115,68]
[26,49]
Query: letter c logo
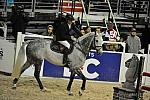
[85,71]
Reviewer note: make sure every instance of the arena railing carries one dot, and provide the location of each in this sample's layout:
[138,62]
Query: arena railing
[128,8]
[21,37]
[30,7]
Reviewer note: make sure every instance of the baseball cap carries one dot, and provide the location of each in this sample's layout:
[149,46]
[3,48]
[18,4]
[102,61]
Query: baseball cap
[133,30]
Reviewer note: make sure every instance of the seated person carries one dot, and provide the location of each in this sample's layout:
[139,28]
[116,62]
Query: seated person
[49,31]
[111,35]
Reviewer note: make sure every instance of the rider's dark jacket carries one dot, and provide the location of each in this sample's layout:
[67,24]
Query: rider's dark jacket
[64,33]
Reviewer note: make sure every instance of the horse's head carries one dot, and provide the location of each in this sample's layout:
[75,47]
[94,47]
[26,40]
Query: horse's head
[91,39]
[132,62]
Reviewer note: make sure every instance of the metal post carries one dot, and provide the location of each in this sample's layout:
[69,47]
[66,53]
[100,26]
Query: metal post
[118,7]
[148,12]
[139,80]
[85,13]
[18,44]
[135,6]
[109,4]
[111,12]
[61,7]
[33,8]
[5,30]
[73,7]
[5,8]
[124,7]
[139,4]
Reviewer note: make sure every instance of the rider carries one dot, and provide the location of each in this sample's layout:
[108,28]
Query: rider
[64,35]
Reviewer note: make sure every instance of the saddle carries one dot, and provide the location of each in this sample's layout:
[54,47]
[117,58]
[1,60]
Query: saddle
[59,48]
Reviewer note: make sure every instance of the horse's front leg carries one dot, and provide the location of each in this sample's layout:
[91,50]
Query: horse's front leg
[70,82]
[80,74]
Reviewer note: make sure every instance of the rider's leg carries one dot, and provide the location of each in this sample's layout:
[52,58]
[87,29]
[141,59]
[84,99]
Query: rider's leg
[65,56]
[65,51]
[65,43]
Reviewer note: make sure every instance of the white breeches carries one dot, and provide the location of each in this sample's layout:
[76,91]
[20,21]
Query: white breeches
[65,43]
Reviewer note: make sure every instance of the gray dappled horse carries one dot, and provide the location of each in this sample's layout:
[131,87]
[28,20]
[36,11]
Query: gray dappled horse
[39,49]
[132,72]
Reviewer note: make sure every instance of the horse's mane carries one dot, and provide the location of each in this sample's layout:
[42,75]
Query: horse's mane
[85,36]
[85,41]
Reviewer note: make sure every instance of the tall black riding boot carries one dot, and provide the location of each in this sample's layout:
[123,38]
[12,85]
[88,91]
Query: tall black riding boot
[65,58]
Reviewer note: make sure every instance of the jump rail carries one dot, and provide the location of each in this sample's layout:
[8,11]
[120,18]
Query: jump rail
[145,87]
[146,74]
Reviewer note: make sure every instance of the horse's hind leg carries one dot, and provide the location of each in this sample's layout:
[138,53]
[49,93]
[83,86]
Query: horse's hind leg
[70,82]
[24,67]
[37,73]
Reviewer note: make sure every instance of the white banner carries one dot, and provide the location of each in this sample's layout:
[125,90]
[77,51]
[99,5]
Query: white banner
[7,52]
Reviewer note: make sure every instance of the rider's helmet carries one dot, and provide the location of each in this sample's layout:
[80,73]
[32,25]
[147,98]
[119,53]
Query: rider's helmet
[69,17]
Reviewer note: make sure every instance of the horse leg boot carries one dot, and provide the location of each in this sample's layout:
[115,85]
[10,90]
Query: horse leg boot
[70,83]
[14,83]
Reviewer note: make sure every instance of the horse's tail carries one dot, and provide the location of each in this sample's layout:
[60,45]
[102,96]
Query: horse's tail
[20,60]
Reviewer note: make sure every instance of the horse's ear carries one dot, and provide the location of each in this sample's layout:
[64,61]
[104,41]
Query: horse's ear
[127,63]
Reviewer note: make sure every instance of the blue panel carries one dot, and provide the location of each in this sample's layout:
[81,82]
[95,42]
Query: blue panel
[52,70]
[109,67]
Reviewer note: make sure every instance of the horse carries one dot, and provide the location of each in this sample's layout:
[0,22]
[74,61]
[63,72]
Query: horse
[132,72]
[37,50]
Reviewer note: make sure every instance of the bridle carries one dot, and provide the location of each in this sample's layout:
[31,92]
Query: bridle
[94,43]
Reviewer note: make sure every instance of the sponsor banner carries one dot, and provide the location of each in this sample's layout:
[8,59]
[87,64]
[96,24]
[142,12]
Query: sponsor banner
[105,67]
[7,53]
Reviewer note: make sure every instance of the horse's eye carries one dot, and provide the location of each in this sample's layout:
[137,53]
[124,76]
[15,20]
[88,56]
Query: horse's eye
[96,40]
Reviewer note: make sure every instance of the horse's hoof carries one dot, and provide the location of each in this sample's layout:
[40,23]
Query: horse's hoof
[45,90]
[14,86]
[70,93]
[81,92]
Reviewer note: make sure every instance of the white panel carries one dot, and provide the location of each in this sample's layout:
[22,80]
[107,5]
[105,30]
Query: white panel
[7,56]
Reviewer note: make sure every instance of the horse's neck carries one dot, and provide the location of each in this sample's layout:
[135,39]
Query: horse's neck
[85,42]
